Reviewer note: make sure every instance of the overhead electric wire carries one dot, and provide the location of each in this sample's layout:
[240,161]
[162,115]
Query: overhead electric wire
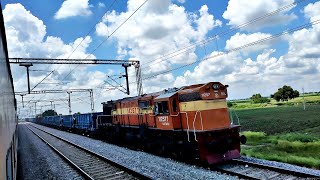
[215,37]
[212,38]
[89,32]
[235,49]
[187,47]
[77,45]
[105,39]
[240,47]
[108,36]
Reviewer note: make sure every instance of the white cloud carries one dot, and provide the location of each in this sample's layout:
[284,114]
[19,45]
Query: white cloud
[71,8]
[264,73]
[240,12]
[312,11]
[156,29]
[26,37]
[239,40]
[212,68]
[101,5]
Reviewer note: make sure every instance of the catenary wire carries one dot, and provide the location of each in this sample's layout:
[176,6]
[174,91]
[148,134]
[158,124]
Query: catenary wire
[105,39]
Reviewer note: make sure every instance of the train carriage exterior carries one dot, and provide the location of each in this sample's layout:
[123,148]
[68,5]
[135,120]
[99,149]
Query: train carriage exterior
[85,123]
[189,123]
[67,121]
[8,118]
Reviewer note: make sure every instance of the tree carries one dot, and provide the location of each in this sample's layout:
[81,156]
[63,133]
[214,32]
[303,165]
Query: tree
[49,112]
[257,98]
[296,93]
[285,93]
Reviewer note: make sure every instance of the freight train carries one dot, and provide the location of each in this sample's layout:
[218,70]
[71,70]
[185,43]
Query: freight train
[189,123]
[8,118]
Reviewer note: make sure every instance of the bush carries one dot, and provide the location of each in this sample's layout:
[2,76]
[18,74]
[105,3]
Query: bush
[229,104]
[298,137]
[257,98]
[254,137]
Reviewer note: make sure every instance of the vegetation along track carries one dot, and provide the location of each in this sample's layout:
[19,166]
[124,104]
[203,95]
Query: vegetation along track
[88,163]
[250,170]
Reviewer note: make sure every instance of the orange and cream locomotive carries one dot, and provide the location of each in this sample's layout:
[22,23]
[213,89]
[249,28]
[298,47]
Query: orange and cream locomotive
[191,123]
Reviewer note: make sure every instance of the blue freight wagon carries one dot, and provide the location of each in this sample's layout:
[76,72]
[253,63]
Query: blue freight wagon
[67,121]
[86,121]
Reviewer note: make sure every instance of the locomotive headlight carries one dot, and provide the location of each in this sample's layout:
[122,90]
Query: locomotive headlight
[216,86]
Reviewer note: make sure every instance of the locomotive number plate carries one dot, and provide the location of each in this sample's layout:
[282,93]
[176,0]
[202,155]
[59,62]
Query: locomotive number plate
[164,120]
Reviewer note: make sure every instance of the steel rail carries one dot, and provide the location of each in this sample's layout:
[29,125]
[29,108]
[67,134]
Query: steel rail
[83,173]
[276,169]
[244,176]
[258,171]
[126,169]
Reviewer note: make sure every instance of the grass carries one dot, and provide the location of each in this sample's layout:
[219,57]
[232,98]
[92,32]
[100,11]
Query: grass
[283,119]
[281,131]
[293,148]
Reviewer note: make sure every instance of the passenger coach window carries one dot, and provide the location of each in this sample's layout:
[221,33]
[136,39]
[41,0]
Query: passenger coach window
[162,107]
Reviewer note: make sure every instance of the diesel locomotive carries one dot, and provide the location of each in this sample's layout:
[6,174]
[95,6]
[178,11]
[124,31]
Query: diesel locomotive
[189,123]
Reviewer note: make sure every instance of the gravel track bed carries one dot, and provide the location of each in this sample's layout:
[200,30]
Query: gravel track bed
[151,165]
[36,160]
[256,172]
[282,165]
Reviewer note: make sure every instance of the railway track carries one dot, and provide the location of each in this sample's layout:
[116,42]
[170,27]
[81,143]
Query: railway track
[88,163]
[250,170]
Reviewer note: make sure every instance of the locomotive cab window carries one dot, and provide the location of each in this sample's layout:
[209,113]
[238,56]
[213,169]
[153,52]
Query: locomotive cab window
[144,104]
[162,107]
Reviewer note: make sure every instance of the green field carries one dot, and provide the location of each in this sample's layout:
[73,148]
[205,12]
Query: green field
[281,131]
[283,119]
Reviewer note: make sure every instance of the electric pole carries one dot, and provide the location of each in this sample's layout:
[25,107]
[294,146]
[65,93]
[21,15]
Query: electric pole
[27,65]
[304,103]
[69,102]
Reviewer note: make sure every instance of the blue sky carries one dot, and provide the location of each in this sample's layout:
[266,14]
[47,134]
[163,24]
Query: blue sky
[46,28]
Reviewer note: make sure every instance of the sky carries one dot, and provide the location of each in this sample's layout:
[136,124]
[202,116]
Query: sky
[253,46]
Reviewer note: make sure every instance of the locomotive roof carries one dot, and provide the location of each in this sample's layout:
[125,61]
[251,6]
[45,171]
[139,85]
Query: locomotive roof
[159,95]
[165,95]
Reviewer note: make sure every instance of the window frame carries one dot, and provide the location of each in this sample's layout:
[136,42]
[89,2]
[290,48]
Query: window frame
[158,108]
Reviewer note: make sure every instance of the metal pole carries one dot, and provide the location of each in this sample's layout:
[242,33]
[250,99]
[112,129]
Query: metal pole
[27,65]
[127,78]
[22,100]
[138,79]
[304,103]
[91,100]
[51,104]
[69,103]
[28,78]
[35,109]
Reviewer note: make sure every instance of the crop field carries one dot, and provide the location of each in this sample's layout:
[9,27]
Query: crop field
[282,119]
[281,131]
